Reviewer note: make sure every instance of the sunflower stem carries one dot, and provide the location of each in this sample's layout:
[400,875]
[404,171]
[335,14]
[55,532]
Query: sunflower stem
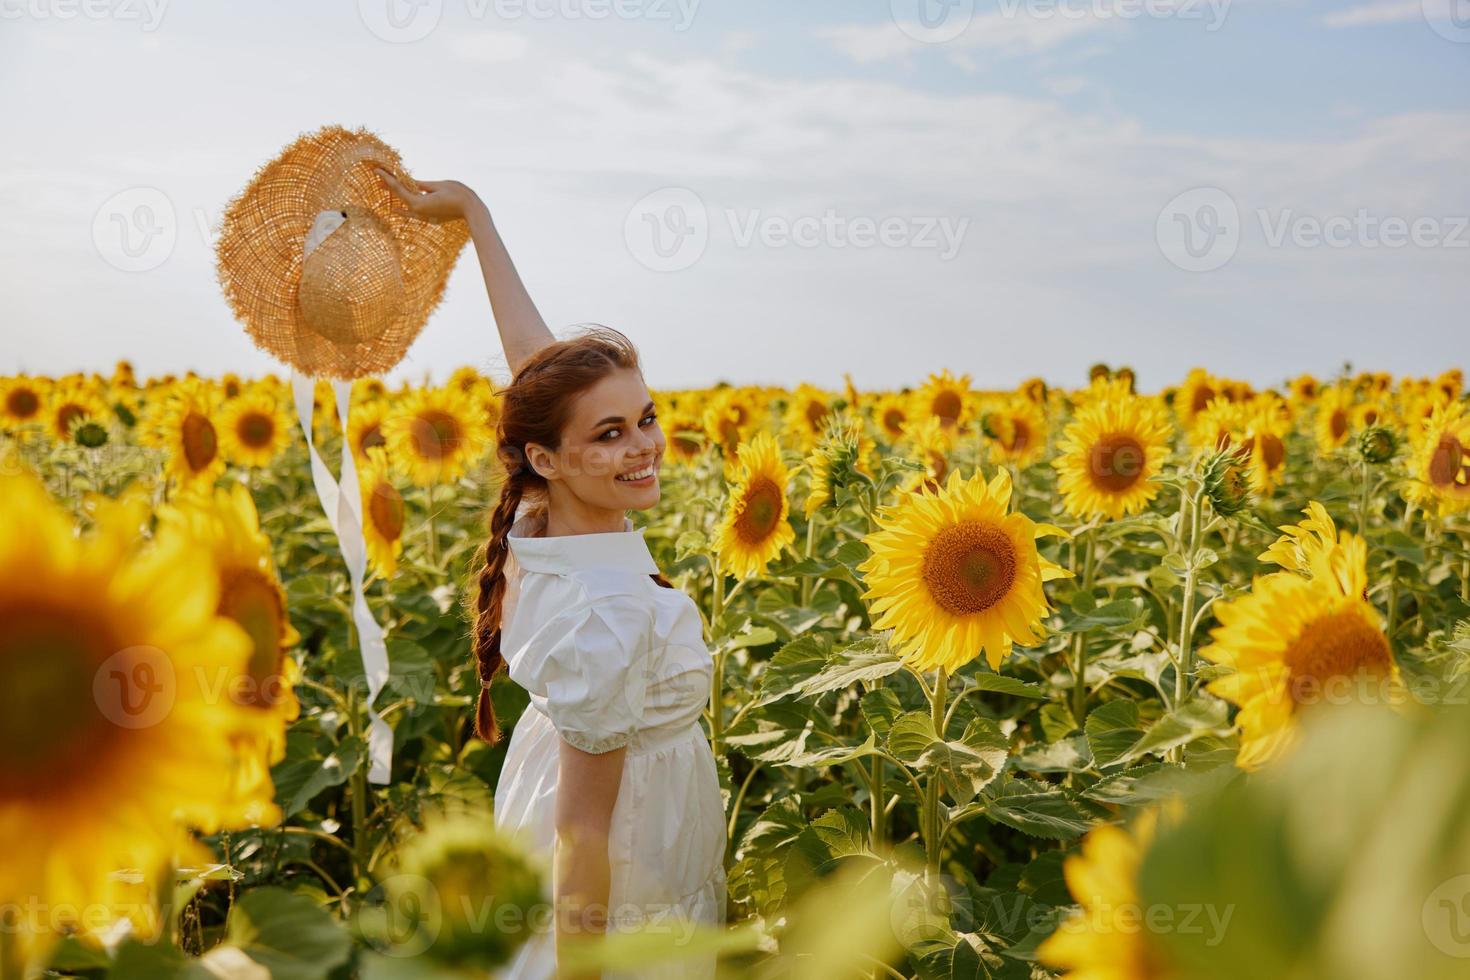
[717,677]
[433,548]
[807,581]
[1189,518]
[1393,582]
[932,835]
[1079,639]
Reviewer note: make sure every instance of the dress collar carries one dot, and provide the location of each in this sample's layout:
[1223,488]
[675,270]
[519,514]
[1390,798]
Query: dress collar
[623,550]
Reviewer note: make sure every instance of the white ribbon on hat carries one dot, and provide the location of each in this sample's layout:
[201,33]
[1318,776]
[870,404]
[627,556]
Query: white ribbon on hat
[341,501]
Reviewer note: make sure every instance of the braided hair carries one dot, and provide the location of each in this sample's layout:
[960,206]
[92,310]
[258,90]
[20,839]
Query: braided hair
[535,408]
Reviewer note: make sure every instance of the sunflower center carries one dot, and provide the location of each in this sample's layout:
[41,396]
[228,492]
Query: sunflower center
[23,403]
[969,567]
[251,600]
[1273,450]
[371,436]
[1444,465]
[66,415]
[1115,462]
[435,435]
[385,508]
[1338,424]
[815,413]
[761,513]
[947,406]
[255,430]
[1020,436]
[893,420]
[1337,645]
[50,720]
[199,441]
[1202,396]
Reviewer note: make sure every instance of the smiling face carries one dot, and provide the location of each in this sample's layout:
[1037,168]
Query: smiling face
[610,452]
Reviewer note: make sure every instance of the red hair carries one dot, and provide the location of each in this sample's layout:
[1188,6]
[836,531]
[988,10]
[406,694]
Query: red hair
[534,409]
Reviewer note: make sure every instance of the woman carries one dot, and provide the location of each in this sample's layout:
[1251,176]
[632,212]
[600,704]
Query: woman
[608,770]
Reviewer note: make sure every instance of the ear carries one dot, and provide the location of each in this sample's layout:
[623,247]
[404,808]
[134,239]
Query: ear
[540,459]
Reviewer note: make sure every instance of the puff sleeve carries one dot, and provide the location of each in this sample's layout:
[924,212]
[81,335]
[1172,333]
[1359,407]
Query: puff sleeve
[591,665]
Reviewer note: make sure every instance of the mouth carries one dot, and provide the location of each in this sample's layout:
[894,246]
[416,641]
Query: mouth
[639,477]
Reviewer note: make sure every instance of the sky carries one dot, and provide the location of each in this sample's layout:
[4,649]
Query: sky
[776,191]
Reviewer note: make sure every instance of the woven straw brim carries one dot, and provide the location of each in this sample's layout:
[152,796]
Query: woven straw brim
[262,241]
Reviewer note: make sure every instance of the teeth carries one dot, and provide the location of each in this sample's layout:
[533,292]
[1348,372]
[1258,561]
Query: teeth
[647,471]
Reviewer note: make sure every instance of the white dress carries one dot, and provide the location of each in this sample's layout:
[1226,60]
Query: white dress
[610,658]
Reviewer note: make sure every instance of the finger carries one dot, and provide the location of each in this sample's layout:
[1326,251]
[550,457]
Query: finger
[394,185]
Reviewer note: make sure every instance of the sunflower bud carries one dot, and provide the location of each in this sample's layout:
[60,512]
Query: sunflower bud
[1377,444]
[1226,482]
[90,435]
[461,894]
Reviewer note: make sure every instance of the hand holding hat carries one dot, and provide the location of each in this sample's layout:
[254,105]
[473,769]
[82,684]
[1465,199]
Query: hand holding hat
[326,266]
[434,200]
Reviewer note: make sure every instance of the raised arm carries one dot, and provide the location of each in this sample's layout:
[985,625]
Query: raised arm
[522,331]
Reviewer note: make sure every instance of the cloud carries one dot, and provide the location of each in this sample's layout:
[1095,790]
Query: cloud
[1380,12]
[486,47]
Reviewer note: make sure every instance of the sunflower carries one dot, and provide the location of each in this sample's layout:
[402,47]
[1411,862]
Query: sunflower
[892,415]
[253,428]
[1370,413]
[842,452]
[685,432]
[1221,425]
[1266,434]
[182,421]
[952,574]
[72,403]
[755,528]
[944,397]
[806,416]
[109,710]
[383,513]
[1334,421]
[365,426]
[1297,639]
[1441,460]
[226,523]
[1300,544]
[728,418]
[1111,453]
[22,400]
[932,443]
[1018,432]
[1195,394]
[1304,388]
[435,434]
[1107,938]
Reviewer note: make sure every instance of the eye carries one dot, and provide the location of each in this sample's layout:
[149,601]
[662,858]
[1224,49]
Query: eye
[610,435]
[650,418]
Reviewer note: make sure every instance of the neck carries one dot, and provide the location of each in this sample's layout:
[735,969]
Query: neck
[566,514]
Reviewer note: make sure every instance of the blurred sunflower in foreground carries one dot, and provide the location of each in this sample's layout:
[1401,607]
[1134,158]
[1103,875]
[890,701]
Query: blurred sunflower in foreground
[1107,938]
[1301,637]
[953,574]
[112,653]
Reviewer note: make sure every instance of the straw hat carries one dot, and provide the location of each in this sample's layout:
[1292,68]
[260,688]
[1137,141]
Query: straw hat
[326,269]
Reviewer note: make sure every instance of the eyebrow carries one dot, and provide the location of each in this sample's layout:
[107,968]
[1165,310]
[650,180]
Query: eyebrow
[619,419]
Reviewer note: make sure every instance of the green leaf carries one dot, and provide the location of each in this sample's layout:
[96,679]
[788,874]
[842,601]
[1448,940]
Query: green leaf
[839,833]
[866,660]
[793,664]
[291,935]
[1068,755]
[1040,812]
[1118,614]
[1195,719]
[881,708]
[1003,684]
[299,782]
[1112,729]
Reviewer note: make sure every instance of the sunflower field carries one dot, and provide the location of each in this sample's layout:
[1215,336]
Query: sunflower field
[1083,682]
